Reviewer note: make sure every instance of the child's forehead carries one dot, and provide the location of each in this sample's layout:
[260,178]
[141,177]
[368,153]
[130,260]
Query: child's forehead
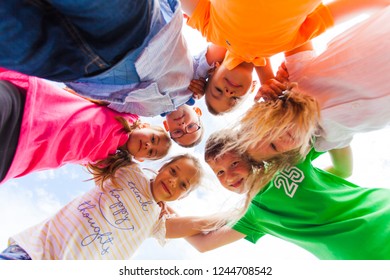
[183,164]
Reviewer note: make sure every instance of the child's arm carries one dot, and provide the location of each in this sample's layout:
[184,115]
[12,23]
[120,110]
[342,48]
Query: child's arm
[188,6]
[270,87]
[215,53]
[273,87]
[179,227]
[342,162]
[205,62]
[97,102]
[215,239]
[343,10]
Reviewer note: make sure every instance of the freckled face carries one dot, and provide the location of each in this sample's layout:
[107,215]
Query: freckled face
[226,88]
[232,171]
[174,180]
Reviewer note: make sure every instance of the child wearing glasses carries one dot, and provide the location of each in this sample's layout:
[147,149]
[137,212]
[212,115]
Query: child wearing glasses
[184,126]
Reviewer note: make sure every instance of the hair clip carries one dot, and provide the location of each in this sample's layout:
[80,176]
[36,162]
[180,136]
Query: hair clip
[283,95]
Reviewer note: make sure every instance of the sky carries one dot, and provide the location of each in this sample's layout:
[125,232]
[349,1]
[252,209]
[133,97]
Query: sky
[27,201]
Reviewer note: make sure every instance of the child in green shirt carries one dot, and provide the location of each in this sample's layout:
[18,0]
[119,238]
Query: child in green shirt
[316,210]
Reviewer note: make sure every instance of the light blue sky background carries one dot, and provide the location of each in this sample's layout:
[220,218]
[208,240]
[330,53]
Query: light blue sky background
[27,201]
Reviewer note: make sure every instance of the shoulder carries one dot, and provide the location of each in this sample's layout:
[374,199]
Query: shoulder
[132,172]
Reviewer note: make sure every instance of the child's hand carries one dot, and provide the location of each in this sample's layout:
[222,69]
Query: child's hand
[270,90]
[197,87]
[164,209]
[282,74]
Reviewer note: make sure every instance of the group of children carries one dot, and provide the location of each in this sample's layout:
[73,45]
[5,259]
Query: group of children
[266,156]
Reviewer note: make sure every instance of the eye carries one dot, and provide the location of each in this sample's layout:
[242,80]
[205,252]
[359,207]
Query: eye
[219,91]
[220,173]
[234,164]
[173,171]
[183,186]
[153,139]
[150,152]
[273,147]
[191,126]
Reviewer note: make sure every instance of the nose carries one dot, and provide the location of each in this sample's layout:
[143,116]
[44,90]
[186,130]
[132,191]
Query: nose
[228,92]
[147,145]
[181,122]
[231,177]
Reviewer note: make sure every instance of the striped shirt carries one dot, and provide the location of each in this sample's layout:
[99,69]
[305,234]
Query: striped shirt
[101,224]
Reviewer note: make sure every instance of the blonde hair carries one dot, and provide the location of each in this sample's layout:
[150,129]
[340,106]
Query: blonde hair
[267,121]
[105,169]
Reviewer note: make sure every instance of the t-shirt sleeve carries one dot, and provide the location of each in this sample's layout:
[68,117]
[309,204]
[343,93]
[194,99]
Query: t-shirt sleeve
[160,231]
[316,23]
[324,145]
[200,17]
[201,66]
[246,226]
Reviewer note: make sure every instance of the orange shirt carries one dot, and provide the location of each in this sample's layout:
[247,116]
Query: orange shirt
[252,30]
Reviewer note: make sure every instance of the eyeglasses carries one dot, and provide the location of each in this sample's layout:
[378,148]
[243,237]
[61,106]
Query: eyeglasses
[189,129]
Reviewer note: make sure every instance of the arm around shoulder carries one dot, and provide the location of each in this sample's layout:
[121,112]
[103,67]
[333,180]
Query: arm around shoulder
[179,227]
[342,161]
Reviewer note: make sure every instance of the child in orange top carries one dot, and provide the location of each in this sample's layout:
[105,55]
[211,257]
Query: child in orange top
[252,31]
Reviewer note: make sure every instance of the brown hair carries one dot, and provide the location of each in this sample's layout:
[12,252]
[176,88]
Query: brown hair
[105,169]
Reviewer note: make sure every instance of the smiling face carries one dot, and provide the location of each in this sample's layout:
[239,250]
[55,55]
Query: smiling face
[231,170]
[183,119]
[175,180]
[226,88]
[148,143]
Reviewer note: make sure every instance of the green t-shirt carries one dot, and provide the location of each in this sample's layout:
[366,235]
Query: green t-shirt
[322,213]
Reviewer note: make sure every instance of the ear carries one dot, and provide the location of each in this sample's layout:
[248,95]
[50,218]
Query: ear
[211,71]
[143,125]
[165,123]
[198,111]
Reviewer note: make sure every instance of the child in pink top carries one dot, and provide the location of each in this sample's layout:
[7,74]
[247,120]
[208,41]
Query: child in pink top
[57,127]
